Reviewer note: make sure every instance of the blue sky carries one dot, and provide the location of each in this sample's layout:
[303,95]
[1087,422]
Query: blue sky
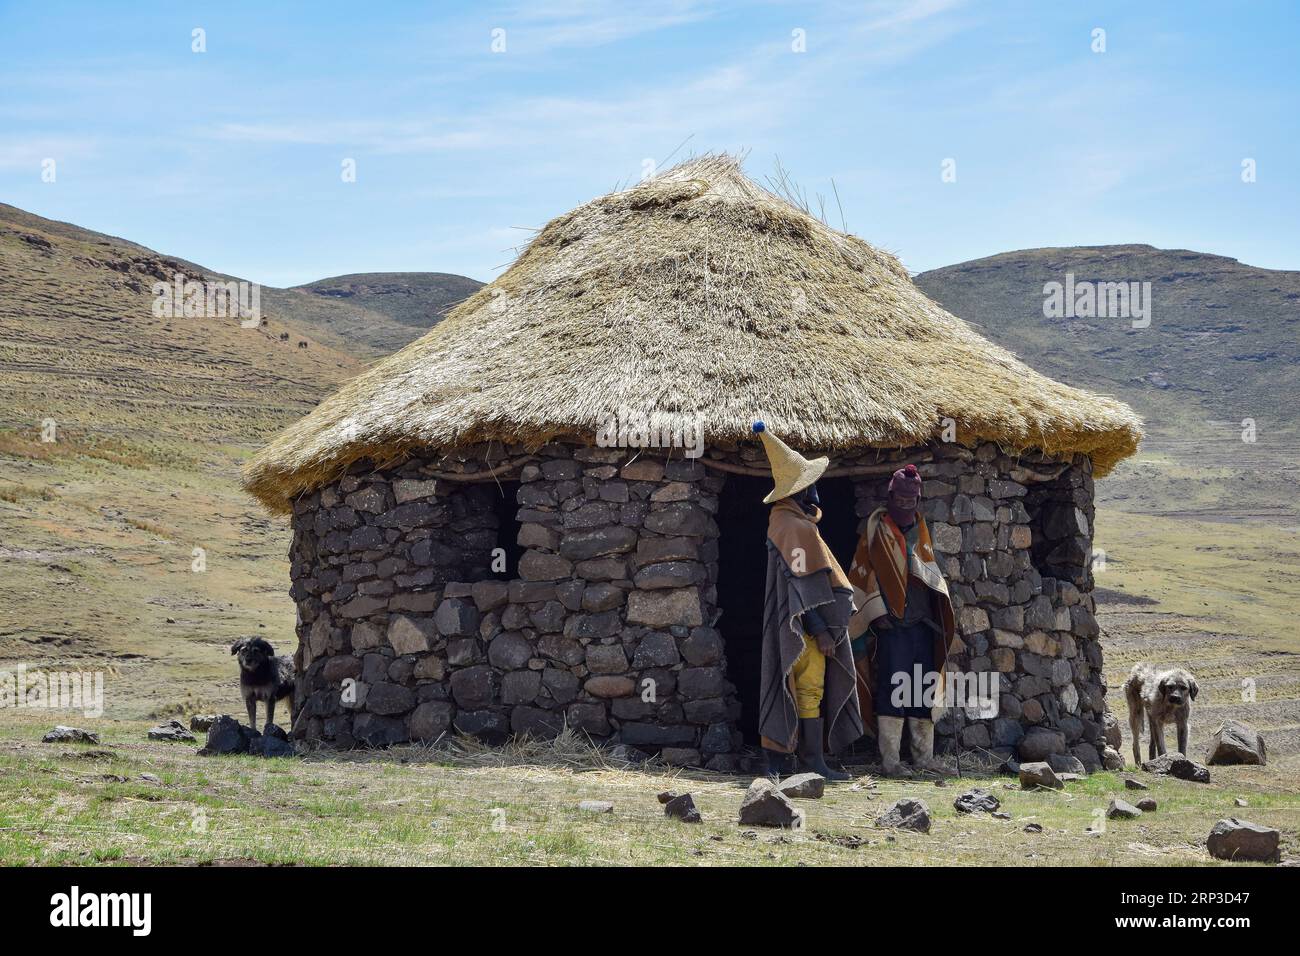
[232,157]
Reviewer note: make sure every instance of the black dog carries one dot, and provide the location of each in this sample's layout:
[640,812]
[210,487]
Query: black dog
[263,676]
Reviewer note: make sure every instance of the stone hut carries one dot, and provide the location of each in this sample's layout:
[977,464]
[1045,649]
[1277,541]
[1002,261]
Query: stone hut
[547,511]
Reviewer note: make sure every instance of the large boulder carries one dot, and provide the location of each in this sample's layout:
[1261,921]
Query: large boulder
[1039,773]
[1234,839]
[1235,742]
[172,730]
[227,736]
[1121,810]
[906,814]
[803,786]
[766,806]
[976,801]
[682,808]
[63,734]
[1176,765]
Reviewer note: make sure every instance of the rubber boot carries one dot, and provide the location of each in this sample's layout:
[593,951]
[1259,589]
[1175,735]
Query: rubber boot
[922,734]
[811,752]
[890,736]
[775,764]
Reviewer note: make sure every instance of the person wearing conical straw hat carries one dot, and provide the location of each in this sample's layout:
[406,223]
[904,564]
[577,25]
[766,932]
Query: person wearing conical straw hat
[808,688]
[903,631]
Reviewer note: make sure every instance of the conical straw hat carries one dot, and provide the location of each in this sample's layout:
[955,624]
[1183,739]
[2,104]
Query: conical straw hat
[791,471]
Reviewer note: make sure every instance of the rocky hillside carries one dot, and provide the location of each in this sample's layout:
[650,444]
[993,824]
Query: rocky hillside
[1222,346]
[1223,342]
[418,300]
[82,343]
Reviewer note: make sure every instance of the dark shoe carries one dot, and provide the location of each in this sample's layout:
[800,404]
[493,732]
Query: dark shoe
[775,764]
[810,750]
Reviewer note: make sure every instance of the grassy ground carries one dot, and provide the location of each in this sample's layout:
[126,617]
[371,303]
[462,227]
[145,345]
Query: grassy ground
[87,804]
[97,539]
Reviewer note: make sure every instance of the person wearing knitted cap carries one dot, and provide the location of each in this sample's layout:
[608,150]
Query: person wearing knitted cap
[903,629]
[808,688]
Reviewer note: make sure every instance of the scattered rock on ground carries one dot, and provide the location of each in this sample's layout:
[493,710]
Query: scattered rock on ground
[668,796]
[201,722]
[171,730]
[976,801]
[70,735]
[1132,784]
[906,814]
[229,736]
[1235,743]
[1241,802]
[682,808]
[766,806]
[1176,765]
[806,786]
[1112,759]
[596,806]
[999,815]
[1121,810]
[1147,805]
[269,745]
[1033,828]
[150,778]
[1234,839]
[1038,773]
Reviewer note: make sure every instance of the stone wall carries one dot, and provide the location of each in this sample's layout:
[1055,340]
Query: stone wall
[406,633]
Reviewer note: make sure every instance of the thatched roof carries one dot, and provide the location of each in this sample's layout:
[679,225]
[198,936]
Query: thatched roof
[696,292]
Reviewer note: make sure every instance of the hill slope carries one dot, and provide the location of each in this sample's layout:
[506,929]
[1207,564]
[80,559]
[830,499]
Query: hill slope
[1223,343]
[80,343]
[415,299]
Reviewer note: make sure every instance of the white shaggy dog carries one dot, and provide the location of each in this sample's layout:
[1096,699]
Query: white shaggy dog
[1164,695]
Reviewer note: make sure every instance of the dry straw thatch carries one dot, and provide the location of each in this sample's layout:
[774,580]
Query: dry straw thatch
[697,292]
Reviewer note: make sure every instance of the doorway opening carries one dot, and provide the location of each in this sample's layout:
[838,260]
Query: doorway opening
[742,574]
[505,503]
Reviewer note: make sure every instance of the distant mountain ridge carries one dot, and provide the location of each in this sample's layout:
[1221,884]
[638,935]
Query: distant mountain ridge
[416,299]
[1223,343]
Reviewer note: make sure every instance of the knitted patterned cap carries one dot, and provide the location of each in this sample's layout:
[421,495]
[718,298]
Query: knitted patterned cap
[907,482]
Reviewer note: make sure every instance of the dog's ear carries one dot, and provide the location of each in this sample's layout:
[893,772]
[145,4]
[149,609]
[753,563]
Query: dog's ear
[1191,683]
[238,646]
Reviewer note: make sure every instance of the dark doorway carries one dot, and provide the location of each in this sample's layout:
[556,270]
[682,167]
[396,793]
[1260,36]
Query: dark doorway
[505,500]
[839,524]
[742,574]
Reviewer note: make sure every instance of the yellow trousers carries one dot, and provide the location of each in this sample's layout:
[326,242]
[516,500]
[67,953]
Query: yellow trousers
[809,673]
